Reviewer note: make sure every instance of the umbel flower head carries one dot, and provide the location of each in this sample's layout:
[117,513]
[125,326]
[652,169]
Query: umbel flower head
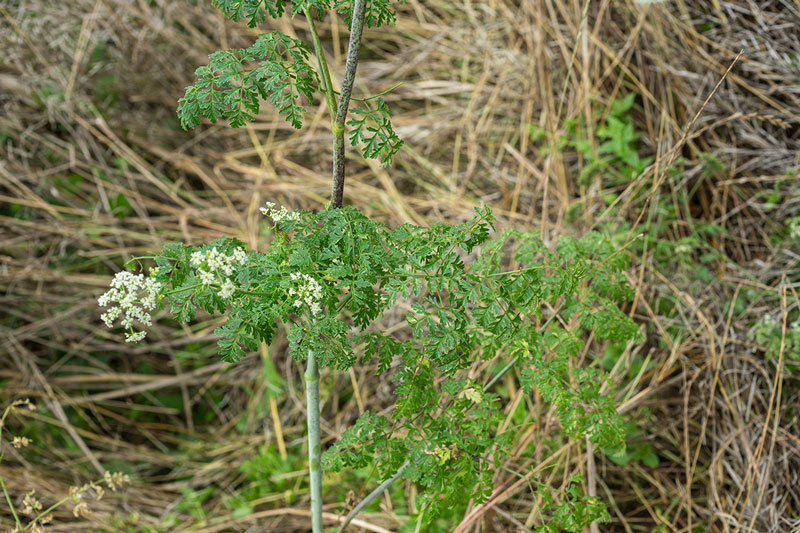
[309,292]
[135,296]
[214,266]
[279,214]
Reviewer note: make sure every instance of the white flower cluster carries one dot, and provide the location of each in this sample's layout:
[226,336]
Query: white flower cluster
[794,228]
[279,214]
[769,321]
[135,296]
[211,263]
[309,292]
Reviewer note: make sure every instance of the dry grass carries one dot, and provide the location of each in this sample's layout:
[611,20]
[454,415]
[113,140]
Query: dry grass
[81,130]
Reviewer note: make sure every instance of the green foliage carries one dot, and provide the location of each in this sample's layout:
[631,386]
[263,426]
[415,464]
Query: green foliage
[374,130]
[768,333]
[573,511]
[265,473]
[633,449]
[378,12]
[462,310]
[615,158]
[276,68]
[229,87]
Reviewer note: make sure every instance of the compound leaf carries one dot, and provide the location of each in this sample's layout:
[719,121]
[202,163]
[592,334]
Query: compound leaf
[374,130]
[229,87]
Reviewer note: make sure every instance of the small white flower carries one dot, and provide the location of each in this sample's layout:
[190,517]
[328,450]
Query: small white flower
[239,256]
[81,510]
[308,293]
[135,297]
[215,261]
[31,505]
[279,214]
[206,278]
[197,258]
[227,289]
[116,480]
[135,337]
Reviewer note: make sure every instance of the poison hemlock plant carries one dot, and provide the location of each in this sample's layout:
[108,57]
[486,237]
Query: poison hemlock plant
[332,274]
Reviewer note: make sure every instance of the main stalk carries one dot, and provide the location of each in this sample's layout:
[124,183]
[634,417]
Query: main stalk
[338,113]
[314,451]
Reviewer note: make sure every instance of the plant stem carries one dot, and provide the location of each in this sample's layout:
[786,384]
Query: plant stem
[314,463]
[374,494]
[324,73]
[10,505]
[337,191]
[353,48]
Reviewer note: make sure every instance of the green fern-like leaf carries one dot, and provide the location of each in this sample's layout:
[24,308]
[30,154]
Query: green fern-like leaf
[374,129]
[377,12]
[256,11]
[253,11]
[234,82]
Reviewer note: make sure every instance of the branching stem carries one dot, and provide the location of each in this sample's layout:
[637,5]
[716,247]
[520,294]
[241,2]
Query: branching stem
[324,72]
[374,495]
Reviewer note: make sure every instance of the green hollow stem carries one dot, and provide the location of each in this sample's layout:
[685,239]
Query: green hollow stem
[372,496]
[322,63]
[314,451]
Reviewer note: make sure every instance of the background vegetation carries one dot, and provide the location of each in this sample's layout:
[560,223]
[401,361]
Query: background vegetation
[633,119]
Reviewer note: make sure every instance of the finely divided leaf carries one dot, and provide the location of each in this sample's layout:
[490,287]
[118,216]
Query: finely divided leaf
[377,12]
[235,81]
[374,130]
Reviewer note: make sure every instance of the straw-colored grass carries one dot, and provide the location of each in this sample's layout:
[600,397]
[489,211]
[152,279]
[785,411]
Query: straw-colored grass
[94,170]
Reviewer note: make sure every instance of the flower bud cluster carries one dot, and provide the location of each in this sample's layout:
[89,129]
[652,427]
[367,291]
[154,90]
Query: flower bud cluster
[135,296]
[308,293]
[279,214]
[30,505]
[212,264]
[20,442]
